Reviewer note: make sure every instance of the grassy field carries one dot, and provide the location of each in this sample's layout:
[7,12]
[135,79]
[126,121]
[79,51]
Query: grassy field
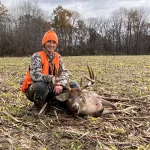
[125,78]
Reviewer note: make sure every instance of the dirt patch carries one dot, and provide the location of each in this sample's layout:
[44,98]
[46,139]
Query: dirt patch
[125,79]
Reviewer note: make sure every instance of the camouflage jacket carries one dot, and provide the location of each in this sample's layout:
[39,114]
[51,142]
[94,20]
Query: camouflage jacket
[36,69]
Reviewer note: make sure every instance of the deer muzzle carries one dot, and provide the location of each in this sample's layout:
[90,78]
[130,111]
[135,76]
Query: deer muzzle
[75,108]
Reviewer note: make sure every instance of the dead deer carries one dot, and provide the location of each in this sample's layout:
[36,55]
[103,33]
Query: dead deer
[83,102]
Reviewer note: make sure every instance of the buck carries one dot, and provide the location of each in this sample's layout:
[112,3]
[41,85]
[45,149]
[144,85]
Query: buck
[80,101]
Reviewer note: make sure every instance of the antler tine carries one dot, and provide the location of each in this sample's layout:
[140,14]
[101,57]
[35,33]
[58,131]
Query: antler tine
[81,82]
[91,79]
[85,86]
[91,73]
[66,86]
[56,80]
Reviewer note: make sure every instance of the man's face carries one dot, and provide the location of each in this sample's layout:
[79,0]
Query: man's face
[50,45]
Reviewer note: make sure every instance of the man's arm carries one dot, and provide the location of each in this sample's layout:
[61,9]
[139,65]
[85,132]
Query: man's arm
[63,72]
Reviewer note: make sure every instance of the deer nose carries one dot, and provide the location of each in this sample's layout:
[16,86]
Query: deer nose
[75,109]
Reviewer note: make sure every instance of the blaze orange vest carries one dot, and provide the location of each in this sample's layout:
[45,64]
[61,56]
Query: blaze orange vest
[45,68]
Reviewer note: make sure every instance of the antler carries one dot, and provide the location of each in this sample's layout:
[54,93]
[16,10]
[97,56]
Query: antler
[67,87]
[91,79]
[56,81]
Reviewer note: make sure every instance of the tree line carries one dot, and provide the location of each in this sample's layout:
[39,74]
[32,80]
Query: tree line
[125,32]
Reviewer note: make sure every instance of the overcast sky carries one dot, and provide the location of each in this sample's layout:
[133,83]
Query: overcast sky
[90,8]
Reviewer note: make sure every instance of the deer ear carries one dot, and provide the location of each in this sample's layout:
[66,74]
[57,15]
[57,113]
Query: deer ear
[62,97]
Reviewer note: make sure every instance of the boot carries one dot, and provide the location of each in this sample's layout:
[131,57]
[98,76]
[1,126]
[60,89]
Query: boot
[34,110]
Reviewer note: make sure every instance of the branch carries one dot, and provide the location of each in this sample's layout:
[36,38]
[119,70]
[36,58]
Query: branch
[56,116]
[42,109]
[10,116]
[114,99]
[120,118]
[16,120]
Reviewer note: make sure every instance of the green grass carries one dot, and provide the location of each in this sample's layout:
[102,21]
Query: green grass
[122,77]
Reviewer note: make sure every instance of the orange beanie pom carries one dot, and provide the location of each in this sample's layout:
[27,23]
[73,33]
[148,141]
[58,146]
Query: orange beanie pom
[50,35]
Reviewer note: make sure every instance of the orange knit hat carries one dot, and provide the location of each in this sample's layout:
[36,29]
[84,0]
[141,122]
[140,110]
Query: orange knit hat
[50,35]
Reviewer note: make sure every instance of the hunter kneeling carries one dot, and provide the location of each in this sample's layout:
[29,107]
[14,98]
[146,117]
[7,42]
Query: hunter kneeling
[46,74]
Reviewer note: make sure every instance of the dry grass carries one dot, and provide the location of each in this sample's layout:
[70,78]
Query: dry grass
[123,77]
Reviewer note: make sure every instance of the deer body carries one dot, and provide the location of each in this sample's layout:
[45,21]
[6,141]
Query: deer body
[83,102]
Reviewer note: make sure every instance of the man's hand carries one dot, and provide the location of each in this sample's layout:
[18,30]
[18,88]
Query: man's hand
[57,86]
[58,89]
[55,80]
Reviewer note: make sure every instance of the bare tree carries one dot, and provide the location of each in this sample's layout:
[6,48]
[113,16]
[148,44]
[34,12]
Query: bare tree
[3,28]
[23,26]
[29,26]
[128,31]
[138,25]
[95,33]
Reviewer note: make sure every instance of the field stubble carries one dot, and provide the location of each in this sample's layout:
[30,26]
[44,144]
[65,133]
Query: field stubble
[124,78]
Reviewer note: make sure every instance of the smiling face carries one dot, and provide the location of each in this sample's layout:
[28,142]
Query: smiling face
[50,46]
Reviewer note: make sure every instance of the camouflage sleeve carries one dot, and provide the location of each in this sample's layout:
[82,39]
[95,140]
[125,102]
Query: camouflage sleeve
[63,72]
[36,70]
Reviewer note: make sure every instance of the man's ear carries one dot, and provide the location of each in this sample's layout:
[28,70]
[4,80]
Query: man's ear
[62,97]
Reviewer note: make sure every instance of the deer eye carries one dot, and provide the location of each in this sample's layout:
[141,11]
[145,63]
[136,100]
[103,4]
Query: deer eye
[80,98]
[69,97]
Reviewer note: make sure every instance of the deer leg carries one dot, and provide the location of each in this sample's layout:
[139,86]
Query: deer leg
[99,113]
[108,104]
[109,111]
[126,110]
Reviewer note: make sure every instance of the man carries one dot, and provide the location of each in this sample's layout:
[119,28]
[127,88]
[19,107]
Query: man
[46,67]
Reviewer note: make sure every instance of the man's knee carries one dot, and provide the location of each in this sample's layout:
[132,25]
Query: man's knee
[41,88]
[38,91]
[74,84]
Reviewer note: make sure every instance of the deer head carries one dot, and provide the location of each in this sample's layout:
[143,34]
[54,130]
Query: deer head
[74,96]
